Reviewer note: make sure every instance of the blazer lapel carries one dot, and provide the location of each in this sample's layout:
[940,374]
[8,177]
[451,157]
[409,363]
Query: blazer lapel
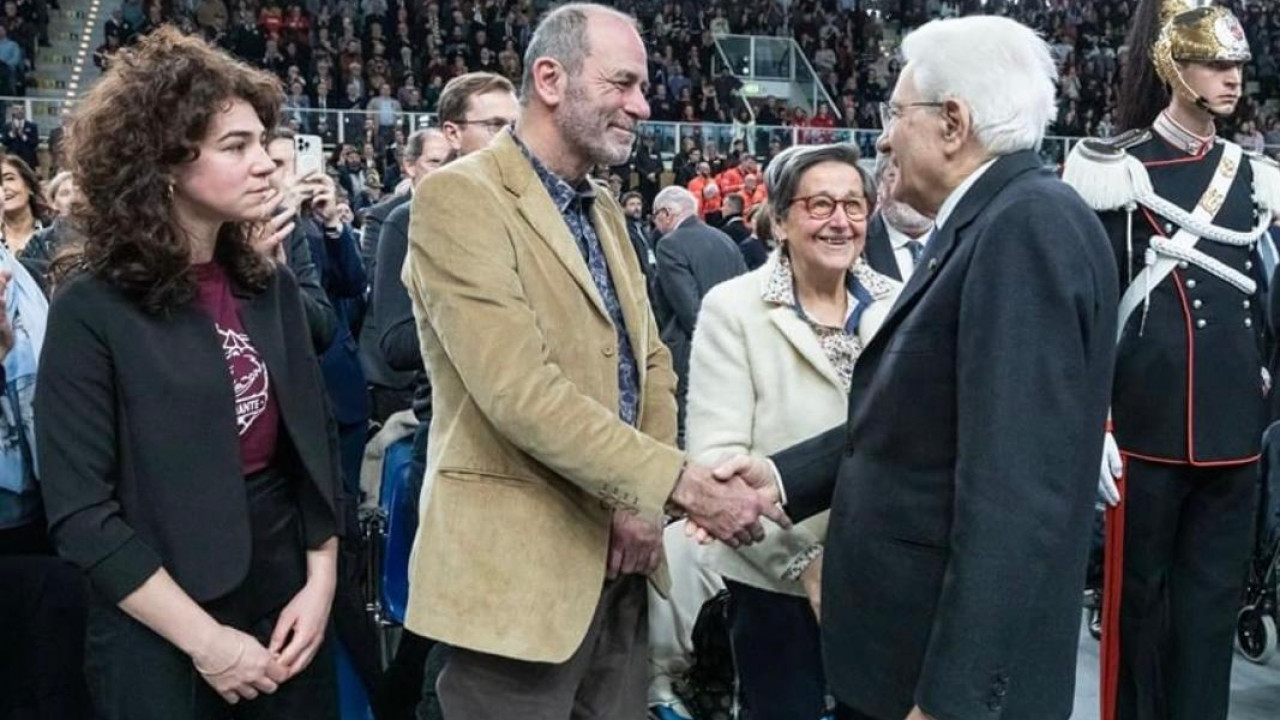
[943,241]
[537,208]
[801,337]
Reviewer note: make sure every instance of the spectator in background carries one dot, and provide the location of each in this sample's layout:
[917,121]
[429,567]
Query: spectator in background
[21,137]
[25,208]
[897,232]
[60,238]
[11,54]
[754,193]
[56,136]
[706,192]
[352,175]
[1250,137]
[212,14]
[692,258]
[386,110]
[42,608]
[118,26]
[474,108]
[753,252]
[633,207]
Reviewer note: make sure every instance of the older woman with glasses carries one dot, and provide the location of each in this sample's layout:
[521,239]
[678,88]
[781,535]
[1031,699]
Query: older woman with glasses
[771,365]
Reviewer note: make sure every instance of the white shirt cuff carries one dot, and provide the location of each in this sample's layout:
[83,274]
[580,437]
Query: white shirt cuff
[777,479]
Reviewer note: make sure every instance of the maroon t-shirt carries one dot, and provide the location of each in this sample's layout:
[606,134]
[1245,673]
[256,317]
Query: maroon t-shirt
[257,415]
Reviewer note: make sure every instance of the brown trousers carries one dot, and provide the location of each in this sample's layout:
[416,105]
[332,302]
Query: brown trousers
[606,678]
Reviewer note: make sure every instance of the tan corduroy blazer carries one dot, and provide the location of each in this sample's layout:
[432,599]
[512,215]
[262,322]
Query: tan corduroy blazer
[527,456]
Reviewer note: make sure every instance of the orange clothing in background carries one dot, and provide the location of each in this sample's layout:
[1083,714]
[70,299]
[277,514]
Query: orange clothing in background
[698,187]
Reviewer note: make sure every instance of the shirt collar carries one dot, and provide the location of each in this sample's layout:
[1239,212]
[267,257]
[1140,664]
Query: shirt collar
[1178,136]
[780,290]
[953,200]
[899,239]
[562,193]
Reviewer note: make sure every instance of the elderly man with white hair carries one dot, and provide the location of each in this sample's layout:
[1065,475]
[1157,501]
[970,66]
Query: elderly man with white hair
[693,257]
[961,486]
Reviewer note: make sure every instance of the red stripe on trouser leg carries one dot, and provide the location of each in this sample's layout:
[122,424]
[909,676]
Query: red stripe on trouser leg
[1112,586]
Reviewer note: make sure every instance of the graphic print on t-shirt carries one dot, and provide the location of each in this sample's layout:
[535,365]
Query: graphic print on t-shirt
[248,377]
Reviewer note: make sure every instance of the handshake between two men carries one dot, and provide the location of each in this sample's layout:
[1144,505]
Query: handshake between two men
[727,502]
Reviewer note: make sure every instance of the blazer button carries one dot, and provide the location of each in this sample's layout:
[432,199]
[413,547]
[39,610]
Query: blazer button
[1246,305]
[1248,264]
[1248,322]
[607,351]
[1197,304]
[1191,283]
[1182,264]
[1168,228]
[1201,323]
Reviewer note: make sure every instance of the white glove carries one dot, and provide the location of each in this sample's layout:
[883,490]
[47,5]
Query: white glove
[1112,468]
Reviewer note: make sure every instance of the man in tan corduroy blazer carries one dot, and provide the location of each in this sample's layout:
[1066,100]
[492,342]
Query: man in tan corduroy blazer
[548,451]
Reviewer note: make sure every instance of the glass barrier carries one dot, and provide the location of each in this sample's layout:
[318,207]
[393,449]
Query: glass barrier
[357,127]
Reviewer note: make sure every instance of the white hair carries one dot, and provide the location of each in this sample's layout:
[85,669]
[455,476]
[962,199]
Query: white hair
[998,67]
[676,199]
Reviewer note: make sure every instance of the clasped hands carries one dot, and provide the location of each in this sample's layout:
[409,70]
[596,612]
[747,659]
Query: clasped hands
[726,503]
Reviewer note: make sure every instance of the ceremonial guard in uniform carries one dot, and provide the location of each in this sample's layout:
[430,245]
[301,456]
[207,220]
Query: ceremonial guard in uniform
[1185,210]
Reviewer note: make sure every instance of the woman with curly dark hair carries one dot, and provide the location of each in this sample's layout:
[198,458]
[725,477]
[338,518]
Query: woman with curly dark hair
[183,437]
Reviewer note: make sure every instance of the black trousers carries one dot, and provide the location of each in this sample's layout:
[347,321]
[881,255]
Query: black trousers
[777,649]
[844,712]
[42,617]
[135,674]
[1188,537]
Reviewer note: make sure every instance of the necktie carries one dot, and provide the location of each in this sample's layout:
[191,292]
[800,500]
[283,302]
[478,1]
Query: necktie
[915,247]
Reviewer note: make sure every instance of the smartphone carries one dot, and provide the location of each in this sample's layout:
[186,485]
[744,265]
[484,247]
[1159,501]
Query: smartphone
[308,154]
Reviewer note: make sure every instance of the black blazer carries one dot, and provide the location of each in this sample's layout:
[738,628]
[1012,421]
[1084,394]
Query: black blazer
[879,249]
[137,441]
[396,337]
[692,259]
[376,368]
[964,485]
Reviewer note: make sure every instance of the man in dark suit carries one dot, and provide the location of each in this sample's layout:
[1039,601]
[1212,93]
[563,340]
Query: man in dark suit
[753,252]
[962,487]
[633,208]
[897,232]
[693,257]
[390,390]
[21,137]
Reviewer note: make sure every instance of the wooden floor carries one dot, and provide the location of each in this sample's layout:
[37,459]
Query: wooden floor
[1255,690]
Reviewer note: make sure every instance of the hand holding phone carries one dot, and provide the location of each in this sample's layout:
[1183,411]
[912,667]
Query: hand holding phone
[308,155]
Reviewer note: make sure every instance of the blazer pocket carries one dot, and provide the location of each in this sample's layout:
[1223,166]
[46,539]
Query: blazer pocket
[917,545]
[485,477]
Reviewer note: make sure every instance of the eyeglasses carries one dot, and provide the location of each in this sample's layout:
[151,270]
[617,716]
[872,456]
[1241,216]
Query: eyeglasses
[821,207]
[493,125]
[892,111]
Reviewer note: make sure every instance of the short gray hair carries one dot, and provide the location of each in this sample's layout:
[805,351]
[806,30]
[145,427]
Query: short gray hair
[784,172]
[998,67]
[562,36]
[674,197]
[417,144]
